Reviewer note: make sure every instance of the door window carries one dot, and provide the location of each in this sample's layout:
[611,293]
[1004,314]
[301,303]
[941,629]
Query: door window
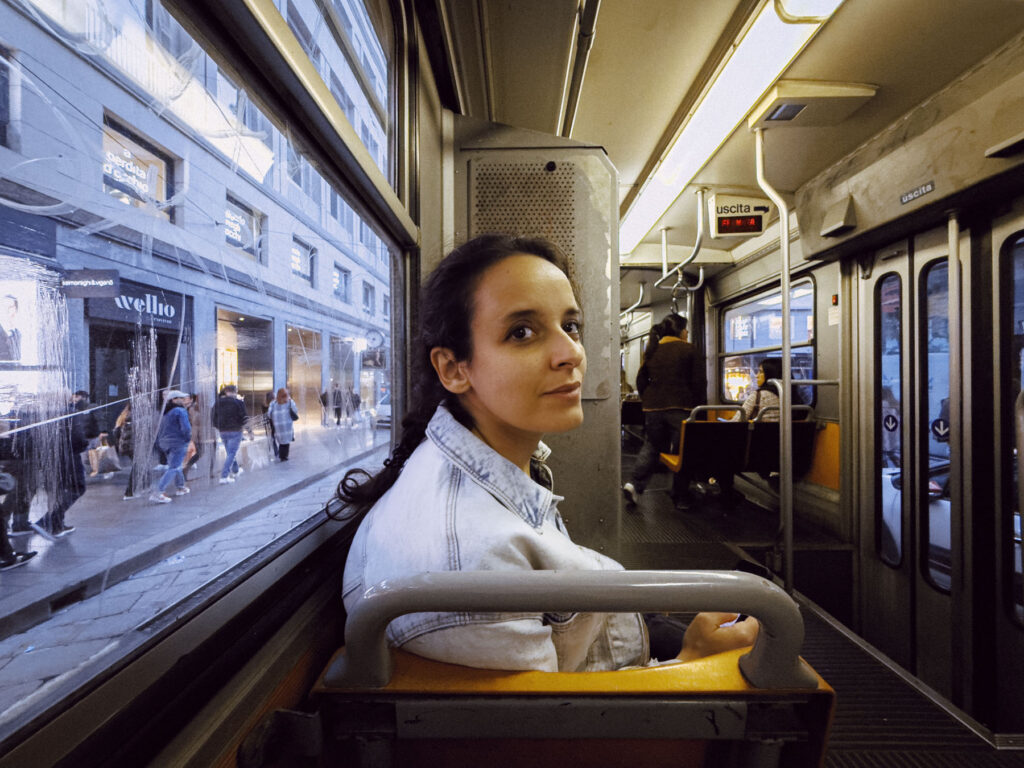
[1016,368]
[888,419]
[935,441]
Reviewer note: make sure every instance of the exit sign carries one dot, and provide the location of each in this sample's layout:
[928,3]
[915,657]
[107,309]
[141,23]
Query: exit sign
[737,216]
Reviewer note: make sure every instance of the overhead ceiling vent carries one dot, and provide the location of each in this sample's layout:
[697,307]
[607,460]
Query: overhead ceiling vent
[809,103]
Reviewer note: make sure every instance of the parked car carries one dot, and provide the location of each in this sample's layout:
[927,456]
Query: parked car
[381,413]
[938,518]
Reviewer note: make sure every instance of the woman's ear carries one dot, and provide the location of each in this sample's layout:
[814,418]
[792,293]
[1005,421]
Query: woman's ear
[450,371]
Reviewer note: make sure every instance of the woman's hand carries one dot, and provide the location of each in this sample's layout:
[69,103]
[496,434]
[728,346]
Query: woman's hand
[711,633]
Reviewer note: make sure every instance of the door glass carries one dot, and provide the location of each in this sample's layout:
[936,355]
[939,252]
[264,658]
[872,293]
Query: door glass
[888,418]
[935,469]
[1016,368]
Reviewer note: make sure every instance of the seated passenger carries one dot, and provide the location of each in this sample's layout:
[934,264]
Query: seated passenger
[498,363]
[764,396]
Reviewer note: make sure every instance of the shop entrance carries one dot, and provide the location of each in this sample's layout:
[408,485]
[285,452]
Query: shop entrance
[113,352]
[304,372]
[245,356]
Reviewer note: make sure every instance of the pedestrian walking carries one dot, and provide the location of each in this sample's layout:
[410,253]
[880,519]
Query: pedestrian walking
[282,412]
[173,437]
[228,415]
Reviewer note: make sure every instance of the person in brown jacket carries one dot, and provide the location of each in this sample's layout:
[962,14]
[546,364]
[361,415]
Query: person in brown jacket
[671,382]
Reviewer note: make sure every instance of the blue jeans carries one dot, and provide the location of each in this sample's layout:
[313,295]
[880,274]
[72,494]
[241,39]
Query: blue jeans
[175,458]
[231,442]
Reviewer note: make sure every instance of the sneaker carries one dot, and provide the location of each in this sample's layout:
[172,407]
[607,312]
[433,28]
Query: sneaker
[67,530]
[129,497]
[43,532]
[18,558]
[107,475]
[240,471]
[183,491]
[160,498]
[225,480]
[631,493]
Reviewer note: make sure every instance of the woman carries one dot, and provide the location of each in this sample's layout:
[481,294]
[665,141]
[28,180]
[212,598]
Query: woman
[282,412]
[671,382]
[498,363]
[173,438]
[764,396]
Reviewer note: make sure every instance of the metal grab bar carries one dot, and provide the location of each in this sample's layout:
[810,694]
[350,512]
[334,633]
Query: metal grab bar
[773,662]
[786,465]
[700,410]
[696,244]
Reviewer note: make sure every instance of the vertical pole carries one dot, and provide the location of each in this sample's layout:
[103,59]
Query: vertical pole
[785,396]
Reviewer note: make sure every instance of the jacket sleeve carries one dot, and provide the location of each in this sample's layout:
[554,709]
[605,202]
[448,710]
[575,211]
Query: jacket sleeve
[643,378]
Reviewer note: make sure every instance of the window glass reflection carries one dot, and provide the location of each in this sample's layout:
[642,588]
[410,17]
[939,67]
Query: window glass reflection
[888,418]
[1015,372]
[168,252]
[935,473]
[756,324]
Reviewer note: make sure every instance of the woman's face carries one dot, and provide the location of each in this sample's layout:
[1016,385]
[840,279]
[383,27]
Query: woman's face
[525,374]
[760,376]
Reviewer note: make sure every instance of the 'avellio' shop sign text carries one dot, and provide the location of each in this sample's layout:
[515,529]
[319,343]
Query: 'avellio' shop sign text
[139,304]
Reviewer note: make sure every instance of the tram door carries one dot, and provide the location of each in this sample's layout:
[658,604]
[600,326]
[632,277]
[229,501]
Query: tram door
[907,552]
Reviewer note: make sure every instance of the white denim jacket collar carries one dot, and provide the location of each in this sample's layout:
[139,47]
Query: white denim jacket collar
[529,497]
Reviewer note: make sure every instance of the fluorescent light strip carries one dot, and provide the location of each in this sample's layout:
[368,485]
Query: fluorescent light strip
[756,63]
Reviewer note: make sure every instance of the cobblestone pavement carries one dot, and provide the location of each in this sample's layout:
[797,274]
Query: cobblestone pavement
[210,530]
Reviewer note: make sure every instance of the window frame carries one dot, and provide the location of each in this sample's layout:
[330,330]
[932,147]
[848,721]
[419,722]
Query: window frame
[307,255]
[766,351]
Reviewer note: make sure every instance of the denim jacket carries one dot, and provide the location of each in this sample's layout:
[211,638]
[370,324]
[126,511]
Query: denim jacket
[460,506]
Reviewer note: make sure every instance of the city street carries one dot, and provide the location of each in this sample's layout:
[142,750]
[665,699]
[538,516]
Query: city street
[130,560]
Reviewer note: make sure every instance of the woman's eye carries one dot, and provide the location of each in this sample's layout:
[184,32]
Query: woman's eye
[572,327]
[520,333]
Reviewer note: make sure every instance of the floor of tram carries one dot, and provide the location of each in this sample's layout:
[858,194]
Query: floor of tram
[880,718]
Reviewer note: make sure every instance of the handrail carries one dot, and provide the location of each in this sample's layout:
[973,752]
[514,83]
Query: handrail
[634,305]
[700,410]
[786,465]
[793,409]
[773,662]
[696,245]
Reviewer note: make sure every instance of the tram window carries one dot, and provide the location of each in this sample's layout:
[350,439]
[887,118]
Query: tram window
[752,331]
[888,410]
[1014,371]
[196,303]
[348,51]
[935,454]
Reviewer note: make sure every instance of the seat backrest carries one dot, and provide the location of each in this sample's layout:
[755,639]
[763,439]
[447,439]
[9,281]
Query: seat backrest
[763,455]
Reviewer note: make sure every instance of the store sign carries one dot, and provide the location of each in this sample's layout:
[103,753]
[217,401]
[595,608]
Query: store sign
[98,283]
[136,303]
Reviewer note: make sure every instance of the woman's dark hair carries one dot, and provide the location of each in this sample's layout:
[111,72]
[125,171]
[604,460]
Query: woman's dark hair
[671,325]
[446,314]
[772,367]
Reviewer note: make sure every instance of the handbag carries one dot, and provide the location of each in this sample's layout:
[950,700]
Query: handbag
[293,414]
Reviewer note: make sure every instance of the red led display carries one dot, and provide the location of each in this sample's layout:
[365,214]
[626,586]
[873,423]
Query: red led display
[739,224]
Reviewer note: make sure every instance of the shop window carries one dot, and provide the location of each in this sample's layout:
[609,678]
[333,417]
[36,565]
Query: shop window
[369,298]
[243,228]
[303,260]
[135,171]
[341,280]
[752,331]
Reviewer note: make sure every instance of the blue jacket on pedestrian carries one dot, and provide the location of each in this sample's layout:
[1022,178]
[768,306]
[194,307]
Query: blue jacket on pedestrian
[175,429]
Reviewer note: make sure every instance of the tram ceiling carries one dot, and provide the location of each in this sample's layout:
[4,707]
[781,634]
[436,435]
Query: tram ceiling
[649,61]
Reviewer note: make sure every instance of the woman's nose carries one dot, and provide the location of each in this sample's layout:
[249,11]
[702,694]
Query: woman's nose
[568,351]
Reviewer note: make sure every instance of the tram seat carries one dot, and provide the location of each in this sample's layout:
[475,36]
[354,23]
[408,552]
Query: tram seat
[723,449]
[759,707]
[709,448]
[763,448]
